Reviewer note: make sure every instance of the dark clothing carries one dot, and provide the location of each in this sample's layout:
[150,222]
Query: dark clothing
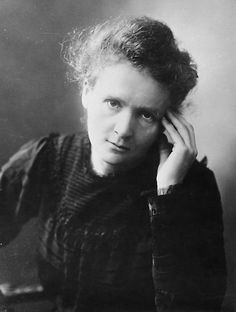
[101,244]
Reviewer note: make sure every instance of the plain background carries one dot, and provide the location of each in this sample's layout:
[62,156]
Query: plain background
[35,97]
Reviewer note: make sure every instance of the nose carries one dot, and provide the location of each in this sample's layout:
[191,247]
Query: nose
[124,125]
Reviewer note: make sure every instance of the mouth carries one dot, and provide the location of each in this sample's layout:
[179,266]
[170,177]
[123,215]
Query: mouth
[121,148]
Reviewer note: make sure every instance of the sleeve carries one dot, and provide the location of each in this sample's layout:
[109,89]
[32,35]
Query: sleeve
[20,188]
[189,269]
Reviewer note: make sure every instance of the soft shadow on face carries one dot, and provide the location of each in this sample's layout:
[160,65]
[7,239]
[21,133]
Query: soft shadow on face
[124,111]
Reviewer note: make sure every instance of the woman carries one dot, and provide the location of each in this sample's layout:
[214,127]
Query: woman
[128,219]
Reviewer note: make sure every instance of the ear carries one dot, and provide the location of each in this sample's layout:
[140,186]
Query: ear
[85,94]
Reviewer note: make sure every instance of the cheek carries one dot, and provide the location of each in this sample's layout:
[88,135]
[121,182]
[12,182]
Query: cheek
[93,117]
[95,112]
[96,124]
[148,137]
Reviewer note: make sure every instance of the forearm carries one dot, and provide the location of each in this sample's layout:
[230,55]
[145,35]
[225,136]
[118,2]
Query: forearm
[8,233]
[188,249]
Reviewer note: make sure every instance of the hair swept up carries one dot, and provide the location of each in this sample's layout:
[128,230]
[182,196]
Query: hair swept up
[146,43]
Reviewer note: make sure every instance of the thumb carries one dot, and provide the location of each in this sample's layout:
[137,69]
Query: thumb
[165,148]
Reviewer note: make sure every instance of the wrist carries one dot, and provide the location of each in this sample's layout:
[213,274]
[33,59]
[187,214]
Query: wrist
[168,189]
[163,183]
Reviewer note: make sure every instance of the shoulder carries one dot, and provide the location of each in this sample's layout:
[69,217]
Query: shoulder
[62,146]
[43,152]
[55,144]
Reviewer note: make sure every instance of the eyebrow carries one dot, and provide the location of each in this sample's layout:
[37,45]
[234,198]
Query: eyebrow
[150,110]
[154,111]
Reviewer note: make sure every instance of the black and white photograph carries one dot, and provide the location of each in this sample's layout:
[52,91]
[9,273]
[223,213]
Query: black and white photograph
[118,156]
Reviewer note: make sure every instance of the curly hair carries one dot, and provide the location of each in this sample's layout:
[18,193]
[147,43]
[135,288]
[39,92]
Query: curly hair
[146,43]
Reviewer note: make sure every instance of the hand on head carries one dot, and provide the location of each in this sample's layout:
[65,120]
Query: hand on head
[177,150]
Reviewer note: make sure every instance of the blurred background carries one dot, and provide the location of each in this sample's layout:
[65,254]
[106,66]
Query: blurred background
[36,99]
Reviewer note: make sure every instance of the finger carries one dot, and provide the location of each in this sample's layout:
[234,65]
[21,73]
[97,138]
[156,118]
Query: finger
[165,149]
[187,125]
[191,132]
[185,129]
[164,143]
[172,132]
[180,127]
[169,139]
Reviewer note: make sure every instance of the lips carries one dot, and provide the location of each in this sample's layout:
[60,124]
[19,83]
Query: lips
[120,147]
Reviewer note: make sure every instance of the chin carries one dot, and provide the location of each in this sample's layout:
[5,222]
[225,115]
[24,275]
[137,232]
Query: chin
[121,161]
[115,161]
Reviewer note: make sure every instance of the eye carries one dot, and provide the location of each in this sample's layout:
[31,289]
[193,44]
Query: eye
[113,104]
[148,117]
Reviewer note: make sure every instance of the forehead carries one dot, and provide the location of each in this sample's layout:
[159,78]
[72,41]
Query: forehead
[133,86]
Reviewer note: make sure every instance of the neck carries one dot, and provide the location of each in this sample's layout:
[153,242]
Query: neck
[103,168]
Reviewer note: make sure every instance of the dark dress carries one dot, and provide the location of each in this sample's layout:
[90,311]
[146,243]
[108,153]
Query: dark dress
[111,242]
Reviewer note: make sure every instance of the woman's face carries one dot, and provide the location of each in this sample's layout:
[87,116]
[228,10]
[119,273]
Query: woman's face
[124,111]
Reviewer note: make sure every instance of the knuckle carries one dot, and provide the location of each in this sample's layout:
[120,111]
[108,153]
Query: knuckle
[191,127]
[194,153]
[185,149]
